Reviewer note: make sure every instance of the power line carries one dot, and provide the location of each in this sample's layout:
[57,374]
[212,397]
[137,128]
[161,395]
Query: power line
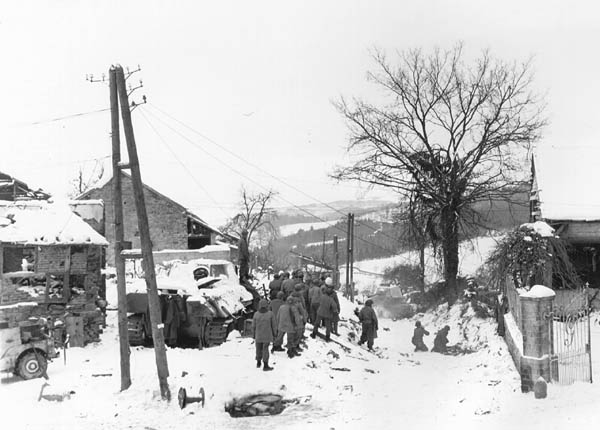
[195,144]
[260,168]
[182,164]
[60,118]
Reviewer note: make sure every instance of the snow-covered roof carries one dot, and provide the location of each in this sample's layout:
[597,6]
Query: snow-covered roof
[566,180]
[36,222]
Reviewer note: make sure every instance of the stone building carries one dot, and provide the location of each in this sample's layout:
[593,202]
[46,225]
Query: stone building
[172,225]
[51,266]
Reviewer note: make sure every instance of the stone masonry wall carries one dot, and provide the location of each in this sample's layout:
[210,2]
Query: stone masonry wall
[18,303]
[531,345]
[167,220]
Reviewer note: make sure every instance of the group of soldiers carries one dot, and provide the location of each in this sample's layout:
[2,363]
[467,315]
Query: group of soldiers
[295,299]
[440,343]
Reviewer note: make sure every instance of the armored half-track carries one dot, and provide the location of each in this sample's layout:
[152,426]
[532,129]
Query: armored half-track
[201,302]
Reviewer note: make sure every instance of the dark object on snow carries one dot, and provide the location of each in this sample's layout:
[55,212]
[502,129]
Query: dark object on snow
[369,322]
[526,381]
[540,388]
[417,339]
[441,341]
[54,397]
[255,405]
[184,399]
[501,310]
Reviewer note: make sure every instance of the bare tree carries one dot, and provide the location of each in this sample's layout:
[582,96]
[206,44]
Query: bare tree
[255,214]
[83,182]
[447,136]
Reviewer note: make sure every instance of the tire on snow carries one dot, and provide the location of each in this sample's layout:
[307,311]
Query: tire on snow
[31,365]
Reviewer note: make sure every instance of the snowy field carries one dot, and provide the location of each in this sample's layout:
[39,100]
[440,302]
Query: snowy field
[473,254]
[289,229]
[391,389]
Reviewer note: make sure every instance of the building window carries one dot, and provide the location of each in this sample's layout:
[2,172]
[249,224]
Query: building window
[18,259]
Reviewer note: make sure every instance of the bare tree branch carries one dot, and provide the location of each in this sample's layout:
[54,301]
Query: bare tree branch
[447,136]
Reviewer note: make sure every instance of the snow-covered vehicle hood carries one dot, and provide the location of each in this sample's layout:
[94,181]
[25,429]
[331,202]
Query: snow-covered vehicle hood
[221,285]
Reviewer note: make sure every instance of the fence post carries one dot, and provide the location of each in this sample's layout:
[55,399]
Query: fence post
[536,307]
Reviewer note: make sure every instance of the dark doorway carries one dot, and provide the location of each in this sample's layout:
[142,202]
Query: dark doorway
[198,242]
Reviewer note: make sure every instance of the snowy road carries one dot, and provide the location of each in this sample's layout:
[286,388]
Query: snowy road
[480,390]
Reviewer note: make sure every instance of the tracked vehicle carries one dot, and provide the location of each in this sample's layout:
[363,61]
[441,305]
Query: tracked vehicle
[201,303]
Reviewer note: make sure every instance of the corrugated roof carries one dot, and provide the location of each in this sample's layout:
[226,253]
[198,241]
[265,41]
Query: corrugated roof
[44,223]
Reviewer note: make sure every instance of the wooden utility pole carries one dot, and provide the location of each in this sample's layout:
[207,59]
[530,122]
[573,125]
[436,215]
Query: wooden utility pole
[144,229]
[336,261]
[323,253]
[119,233]
[348,244]
[352,257]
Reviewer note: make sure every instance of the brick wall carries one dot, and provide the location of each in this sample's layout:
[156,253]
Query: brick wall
[85,274]
[167,220]
[51,259]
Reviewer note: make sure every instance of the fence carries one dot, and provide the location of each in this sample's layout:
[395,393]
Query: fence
[514,302]
[571,341]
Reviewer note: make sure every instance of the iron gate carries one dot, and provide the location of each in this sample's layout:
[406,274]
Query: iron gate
[569,320]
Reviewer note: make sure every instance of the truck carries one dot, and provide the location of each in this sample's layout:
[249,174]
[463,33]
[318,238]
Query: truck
[201,302]
[25,350]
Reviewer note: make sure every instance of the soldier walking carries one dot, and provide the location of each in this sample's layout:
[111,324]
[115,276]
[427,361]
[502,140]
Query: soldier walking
[263,332]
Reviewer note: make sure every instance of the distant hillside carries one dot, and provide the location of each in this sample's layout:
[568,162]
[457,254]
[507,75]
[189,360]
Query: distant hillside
[333,211]
[376,234]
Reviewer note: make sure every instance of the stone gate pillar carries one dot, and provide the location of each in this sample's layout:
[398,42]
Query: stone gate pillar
[536,304]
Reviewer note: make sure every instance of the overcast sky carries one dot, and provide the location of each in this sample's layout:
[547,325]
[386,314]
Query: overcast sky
[257,78]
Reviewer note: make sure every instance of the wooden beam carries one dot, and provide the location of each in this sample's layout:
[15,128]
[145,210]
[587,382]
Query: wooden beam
[1,270]
[67,277]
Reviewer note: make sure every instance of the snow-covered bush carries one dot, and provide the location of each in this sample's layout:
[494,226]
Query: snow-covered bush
[524,255]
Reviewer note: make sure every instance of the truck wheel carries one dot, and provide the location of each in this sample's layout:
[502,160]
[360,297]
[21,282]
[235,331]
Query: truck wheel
[32,365]
[136,330]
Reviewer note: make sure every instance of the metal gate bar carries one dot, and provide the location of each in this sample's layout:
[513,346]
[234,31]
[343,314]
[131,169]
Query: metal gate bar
[571,359]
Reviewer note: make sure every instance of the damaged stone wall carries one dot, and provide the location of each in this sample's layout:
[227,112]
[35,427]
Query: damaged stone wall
[76,270]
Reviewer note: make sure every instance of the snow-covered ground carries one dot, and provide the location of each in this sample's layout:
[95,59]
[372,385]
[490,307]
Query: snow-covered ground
[473,253]
[394,388]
